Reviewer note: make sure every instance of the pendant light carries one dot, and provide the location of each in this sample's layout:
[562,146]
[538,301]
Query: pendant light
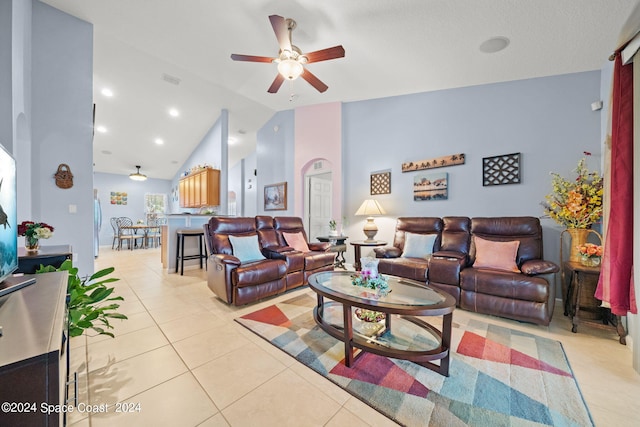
[137,176]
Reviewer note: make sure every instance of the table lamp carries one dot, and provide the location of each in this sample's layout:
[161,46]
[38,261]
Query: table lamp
[370,208]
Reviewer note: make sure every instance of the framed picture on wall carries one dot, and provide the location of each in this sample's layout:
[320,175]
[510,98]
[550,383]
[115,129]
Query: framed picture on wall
[275,197]
[433,186]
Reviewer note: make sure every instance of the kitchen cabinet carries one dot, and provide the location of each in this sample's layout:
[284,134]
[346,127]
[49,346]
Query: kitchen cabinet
[199,189]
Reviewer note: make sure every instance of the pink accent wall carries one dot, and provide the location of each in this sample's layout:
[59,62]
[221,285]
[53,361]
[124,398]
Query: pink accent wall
[318,136]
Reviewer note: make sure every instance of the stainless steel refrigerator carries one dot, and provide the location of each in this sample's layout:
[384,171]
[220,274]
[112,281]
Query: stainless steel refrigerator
[97,223]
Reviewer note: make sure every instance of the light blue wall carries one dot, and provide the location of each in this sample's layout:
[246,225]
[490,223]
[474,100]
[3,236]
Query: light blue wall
[6,110]
[61,128]
[106,183]
[212,151]
[274,158]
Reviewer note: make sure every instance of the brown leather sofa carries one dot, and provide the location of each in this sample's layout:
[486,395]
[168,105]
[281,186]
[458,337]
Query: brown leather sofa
[282,268]
[523,295]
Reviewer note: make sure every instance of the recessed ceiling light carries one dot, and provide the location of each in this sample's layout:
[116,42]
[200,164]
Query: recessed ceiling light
[494,44]
[158,141]
[107,152]
[101,129]
[107,92]
[242,131]
[174,113]
[175,162]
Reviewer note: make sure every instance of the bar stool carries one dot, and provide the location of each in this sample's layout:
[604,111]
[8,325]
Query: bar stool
[180,256]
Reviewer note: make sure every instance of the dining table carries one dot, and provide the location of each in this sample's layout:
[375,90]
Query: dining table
[145,232]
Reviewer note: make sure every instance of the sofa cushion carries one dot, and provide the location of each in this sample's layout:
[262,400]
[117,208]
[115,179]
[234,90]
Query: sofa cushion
[296,241]
[409,268]
[418,245]
[246,248]
[504,284]
[496,255]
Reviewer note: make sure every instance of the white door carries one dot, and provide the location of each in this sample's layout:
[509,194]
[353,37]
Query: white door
[319,199]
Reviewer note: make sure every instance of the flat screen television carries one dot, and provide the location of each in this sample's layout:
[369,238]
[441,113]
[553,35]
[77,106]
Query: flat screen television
[9,226]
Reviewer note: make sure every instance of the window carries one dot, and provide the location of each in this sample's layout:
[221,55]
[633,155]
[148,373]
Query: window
[155,203]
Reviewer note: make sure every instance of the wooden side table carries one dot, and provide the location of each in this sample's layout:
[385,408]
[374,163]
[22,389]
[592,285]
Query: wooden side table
[337,245]
[582,281]
[358,244]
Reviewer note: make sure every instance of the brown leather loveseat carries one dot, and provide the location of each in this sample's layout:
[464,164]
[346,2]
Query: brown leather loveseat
[490,265]
[249,258]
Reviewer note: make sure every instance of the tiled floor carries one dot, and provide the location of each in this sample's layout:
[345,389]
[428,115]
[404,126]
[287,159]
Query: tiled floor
[181,360]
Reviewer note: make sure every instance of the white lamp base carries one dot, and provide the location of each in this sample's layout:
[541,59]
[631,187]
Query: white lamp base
[370,230]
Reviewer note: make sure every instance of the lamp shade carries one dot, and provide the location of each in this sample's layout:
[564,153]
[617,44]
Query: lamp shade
[369,208]
[137,176]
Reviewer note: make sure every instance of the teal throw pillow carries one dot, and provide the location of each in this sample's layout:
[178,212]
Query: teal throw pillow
[418,245]
[246,248]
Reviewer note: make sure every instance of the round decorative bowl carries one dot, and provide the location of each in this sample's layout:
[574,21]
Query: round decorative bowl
[369,315]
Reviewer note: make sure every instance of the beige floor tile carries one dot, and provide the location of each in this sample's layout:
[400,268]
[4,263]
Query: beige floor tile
[285,400]
[215,421]
[134,322]
[249,376]
[122,347]
[228,378]
[188,326]
[162,405]
[346,418]
[119,381]
[209,345]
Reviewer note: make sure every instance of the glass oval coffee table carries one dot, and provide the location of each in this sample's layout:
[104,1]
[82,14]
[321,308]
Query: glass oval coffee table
[400,334]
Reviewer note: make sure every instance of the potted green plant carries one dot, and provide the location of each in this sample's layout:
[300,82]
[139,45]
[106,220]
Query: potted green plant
[333,228]
[90,301]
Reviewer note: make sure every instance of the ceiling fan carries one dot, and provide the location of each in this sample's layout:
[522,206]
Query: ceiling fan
[290,59]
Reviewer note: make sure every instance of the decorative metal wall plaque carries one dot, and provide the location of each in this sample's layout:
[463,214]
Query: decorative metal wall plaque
[437,162]
[380,183]
[500,170]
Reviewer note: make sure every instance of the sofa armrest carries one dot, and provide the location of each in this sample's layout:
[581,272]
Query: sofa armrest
[387,252]
[226,259]
[539,266]
[445,270]
[453,255]
[275,252]
[319,246]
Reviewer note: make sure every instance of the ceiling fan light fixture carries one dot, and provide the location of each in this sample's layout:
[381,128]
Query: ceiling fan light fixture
[290,69]
[137,176]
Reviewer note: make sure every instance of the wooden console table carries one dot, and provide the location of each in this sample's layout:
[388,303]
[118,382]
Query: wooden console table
[582,281]
[29,262]
[34,356]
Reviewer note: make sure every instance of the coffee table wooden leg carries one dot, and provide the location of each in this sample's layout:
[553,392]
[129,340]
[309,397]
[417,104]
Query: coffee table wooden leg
[348,335]
[446,343]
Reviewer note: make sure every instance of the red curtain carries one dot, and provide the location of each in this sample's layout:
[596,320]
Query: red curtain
[615,285]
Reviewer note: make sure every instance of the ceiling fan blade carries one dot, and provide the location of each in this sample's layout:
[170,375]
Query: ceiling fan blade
[277,82]
[314,81]
[279,25]
[251,58]
[325,54]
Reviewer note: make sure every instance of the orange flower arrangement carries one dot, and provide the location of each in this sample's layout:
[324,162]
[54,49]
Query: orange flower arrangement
[589,250]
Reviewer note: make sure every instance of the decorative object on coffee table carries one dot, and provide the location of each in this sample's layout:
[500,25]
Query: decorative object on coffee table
[357,250]
[370,208]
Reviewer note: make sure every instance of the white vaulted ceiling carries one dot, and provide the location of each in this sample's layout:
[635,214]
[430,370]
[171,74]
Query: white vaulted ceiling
[393,47]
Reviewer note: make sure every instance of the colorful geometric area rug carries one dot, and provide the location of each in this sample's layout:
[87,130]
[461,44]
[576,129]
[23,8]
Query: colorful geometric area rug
[498,376]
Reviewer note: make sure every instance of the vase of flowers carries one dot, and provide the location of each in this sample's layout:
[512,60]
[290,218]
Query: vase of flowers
[576,204]
[590,254]
[33,232]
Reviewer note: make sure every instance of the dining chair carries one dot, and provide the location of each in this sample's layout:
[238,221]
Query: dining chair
[114,225]
[154,233]
[127,234]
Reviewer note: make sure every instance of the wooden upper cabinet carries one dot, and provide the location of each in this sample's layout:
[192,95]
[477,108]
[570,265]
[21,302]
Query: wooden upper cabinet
[200,189]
